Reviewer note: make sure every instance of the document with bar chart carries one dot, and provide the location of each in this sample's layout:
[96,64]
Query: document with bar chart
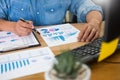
[59,34]
[10,41]
[24,63]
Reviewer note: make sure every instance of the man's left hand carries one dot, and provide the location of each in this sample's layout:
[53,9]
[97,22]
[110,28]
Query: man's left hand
[89,32]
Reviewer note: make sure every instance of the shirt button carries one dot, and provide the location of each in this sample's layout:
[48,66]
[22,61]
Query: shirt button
[38,13]
[22,9]
[51,10]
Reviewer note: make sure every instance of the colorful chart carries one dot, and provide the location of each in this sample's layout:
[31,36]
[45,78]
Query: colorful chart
[24,63]
[59,34]
[9,66]
[13,41]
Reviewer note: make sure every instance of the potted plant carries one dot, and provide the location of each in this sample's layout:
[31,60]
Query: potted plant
[67,68]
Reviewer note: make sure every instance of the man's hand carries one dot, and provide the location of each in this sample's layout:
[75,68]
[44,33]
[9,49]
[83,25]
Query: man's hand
[23,28]
[91,29]
[89,32]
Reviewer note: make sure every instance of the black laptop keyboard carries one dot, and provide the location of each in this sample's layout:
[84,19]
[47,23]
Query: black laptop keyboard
[89,52]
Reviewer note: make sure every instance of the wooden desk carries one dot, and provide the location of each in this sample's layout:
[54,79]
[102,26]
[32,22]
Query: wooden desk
[100,71]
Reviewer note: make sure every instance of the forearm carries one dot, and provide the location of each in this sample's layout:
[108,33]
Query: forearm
[7,25]
[94,17]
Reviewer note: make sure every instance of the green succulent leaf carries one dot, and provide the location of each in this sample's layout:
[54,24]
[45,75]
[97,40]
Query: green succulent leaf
[66,65]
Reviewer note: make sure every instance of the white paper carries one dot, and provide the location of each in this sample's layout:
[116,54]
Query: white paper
[59,34]
[9,41]
[24,63]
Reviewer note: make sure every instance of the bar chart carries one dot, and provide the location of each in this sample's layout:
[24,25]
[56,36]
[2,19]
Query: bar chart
[59,34]
[24,63]
[6,67]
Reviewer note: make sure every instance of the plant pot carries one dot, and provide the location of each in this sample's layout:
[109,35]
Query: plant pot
[84,74]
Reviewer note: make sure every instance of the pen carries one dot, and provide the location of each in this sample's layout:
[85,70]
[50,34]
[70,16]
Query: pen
[28,23]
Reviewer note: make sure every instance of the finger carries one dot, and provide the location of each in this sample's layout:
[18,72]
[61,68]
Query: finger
[86,34]
[96,36]
[91,35]
[82,33]
[24,33]
[79,36]
[25,24]
[26,30]
[30,22]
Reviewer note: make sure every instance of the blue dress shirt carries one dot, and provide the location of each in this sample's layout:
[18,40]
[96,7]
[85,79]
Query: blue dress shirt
[45,12]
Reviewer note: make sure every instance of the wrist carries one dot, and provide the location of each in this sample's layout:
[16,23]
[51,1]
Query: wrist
[95,22]
[10,26]
[6,25]
[13,25]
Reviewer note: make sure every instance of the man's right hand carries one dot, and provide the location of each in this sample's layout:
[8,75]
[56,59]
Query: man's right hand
[23,28]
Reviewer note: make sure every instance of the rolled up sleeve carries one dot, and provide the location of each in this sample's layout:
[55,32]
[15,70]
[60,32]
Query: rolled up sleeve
[82,7]
[3,9]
